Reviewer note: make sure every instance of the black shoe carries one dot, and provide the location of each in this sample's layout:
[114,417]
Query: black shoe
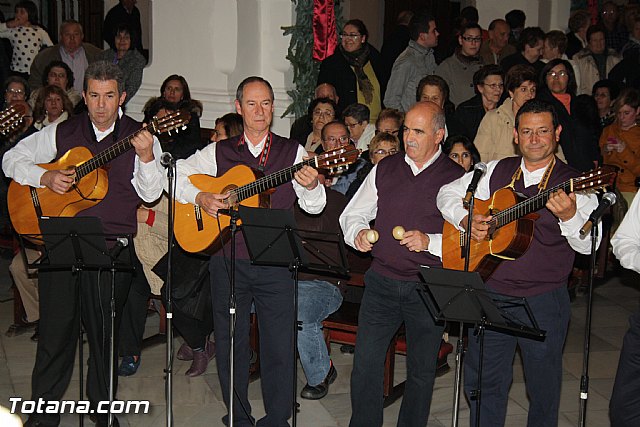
[319,391]
[36,333]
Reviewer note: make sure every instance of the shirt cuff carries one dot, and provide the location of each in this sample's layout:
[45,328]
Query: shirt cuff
[572,226]
[435,245]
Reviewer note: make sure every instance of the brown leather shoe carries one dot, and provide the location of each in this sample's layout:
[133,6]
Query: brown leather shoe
[201,360]
[185,352]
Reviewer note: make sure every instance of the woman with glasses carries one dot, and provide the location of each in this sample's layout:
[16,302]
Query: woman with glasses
[321,111]
[15,89]
[355,70]
[579,139]
[382,145]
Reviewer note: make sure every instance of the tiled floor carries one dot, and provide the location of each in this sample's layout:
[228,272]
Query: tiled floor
[197,401]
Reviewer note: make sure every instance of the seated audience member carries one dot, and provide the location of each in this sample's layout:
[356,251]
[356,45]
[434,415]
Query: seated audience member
[620,142]
[59,74]
[615,33]
[321,111]
[435,89]
[15,89]
[26,281]
[461,150]
[382,145]
[458,69]
[494,50]
[529,52]
[52,106]
[70,50]
[579,21]
[494,140]
[175,90]
[489,85]
[355,70]
[595,62]
[516,20]
[336,134]
[414,63]
[555,47]
[357,117]
[578,144]
[26,36]
[301,128]
[605,93]
[389,121]
[128,58]
[227,126]
[396,42]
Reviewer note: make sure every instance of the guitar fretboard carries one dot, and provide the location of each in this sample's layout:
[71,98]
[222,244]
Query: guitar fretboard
[105,156]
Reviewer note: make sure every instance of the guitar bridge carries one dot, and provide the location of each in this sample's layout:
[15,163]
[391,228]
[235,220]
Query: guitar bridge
[198,213]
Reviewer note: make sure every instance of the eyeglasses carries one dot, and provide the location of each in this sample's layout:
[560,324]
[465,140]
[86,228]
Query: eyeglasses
[15,91]
[541,133]
[320,113]
[494,86]
[342,139]
[353,37]
[383,152]
[472,39]
[557,74]
[389,131]
[352,125]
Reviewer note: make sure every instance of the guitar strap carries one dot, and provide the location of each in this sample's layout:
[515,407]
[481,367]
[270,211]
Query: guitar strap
[264,155]
[543,182]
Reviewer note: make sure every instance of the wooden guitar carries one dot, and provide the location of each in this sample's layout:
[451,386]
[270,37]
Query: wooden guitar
[511,226]
[11,118]
[197,231]
[27,204]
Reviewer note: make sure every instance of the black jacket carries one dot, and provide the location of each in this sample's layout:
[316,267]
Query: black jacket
[469,114]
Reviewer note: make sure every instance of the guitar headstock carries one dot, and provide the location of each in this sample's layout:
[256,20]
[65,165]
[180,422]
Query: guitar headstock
[337,160]
[172,121]
[598,179]
[11,118]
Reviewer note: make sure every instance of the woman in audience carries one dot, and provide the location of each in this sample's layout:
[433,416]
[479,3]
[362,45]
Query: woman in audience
[494,140]
[59,74]
[52,106]
[578,143]
[435,89]
[620,142]
[355,70]
[127,57]
[605,93]
[227,126]
[382,145]
[461,150]
[15,89]
[321,111]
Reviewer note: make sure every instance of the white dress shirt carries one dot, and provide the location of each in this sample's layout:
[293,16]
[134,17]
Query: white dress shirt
[204,162]
[363,208]
[450,197]
[626,241]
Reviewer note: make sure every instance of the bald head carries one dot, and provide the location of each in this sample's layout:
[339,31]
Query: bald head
[326,90]
[423,131]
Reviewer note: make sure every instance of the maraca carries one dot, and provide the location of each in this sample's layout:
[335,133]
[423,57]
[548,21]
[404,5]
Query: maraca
[398,232]
[372,236]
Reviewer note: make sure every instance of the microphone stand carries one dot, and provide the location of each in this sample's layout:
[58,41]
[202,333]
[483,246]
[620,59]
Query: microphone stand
[169,308]
[584,379]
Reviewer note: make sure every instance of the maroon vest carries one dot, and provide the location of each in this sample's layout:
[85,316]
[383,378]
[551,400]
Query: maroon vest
[230,153]
[548,261]
[118,209]
[409,201]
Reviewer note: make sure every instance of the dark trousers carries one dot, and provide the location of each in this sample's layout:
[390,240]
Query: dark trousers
[271,288]
[542,362]
[386,304]
[59,328]
[134,314]
[195,332]
[624,407]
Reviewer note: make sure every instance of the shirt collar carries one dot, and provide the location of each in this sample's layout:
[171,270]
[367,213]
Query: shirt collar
[532,178]
[255,150]
[415,169]
[100,134]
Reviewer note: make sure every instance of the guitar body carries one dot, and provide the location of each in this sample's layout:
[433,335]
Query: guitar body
[197,231]
[507,242]
[24,201]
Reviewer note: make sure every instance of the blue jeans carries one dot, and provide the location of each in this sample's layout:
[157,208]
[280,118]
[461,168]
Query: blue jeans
[317,299]
[542,361]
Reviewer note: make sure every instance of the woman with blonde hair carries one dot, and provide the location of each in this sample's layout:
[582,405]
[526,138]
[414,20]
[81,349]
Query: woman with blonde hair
[52,106]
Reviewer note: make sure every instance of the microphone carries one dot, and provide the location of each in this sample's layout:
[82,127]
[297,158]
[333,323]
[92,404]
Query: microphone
[608,199]
[166,159]
[478,170]
[121,243]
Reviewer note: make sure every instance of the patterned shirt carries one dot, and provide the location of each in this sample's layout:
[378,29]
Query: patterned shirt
[26,43]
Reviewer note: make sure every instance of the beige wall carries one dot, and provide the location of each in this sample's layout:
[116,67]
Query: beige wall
[371,12]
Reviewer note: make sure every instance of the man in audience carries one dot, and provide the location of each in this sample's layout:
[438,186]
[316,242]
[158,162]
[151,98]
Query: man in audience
[407,184]
[302,127]
[615,34]
[413,64]
[530,46]
[458,69]
[356,117]
[498,47]
[71,50]
[595,62]
[516,19]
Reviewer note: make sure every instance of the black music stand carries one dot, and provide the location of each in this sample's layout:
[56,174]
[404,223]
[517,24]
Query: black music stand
[79,244]
[461,296]
[273,239]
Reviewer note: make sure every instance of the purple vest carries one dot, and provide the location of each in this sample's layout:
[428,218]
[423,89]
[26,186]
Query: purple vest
[548,261]
[118,209]
[409,201]
[282,155]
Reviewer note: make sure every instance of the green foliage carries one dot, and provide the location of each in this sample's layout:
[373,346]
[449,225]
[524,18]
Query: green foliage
[300,54]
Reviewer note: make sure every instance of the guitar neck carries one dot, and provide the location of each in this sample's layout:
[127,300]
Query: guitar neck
[270,181]
[105,156]
[530,205]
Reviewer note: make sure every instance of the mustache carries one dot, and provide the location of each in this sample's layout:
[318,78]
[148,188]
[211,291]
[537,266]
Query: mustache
[411,144]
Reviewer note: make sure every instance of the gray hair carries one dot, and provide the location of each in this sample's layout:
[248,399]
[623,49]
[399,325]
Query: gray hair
[253,79]
[438,120]
[103,71]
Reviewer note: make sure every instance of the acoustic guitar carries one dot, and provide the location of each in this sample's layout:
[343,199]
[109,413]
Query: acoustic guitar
[197,231]
[512,224]
[11,119]
[27,204]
